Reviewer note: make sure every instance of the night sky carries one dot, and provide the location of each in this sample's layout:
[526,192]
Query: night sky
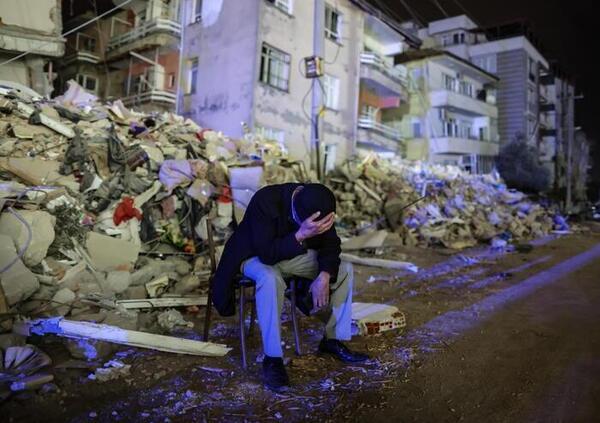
[565,27]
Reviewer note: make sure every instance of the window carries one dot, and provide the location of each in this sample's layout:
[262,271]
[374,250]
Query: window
[369,112]
[171,81]
[197,16]
[449,82]
[333,24]
[192,76]
[88,82]
[487,62]
[275,67]
[416,128]
[465,88]
[331,88]
[446,40]
[271,134]
[532,69]
[87,43]
[283,5]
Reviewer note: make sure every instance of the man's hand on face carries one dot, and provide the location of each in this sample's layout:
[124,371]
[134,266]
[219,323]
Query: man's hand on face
[312,227]
[320,291]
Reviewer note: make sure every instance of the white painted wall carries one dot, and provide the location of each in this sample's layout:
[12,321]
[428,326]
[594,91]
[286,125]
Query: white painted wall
[39,15]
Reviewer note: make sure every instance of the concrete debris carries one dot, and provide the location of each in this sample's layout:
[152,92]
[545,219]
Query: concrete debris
[113,369]
[40,223]
[105,208]
[371,318]
[101,332]
[429,205]
[62,301]
[18,282]
[108,253]
[373,262]
[171,319]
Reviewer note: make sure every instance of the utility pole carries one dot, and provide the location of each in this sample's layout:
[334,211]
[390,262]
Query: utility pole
[318,51]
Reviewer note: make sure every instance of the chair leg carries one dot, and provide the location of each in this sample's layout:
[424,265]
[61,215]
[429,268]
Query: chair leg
[294,317]
[252,314]
[243,327]
[207,315]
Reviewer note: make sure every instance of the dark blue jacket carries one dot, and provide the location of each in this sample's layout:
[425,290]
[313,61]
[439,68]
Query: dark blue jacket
[268,232]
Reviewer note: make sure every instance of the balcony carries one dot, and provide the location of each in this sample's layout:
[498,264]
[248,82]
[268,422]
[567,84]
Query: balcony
[378,135]
[151,96]
[454,145]
[468,105]
[383,78]
[152,33]
[82,48]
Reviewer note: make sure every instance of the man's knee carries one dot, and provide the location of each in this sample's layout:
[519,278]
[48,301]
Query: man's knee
[269,278]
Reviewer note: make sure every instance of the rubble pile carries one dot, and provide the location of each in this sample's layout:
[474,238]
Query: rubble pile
[100,204]
[431,205]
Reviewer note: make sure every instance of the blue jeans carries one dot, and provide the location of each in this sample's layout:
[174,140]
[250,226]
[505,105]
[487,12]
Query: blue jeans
[270,290]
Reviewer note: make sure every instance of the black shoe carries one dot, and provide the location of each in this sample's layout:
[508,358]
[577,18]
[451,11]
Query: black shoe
[274,374]
[340,351]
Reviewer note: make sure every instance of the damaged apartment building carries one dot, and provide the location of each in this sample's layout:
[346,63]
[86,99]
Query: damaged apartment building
[131,53]
[38,34]
[535,99]
[244,67]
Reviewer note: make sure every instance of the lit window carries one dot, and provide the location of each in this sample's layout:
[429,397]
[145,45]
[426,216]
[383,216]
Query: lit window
[275,67]
[331,91]
[333,24]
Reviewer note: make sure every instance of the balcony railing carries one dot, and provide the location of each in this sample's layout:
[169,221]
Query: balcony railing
[151,96]
[367,122]
[144,29]
[373,59]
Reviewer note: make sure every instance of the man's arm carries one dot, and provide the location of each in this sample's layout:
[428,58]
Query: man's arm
[328,254]
[271,249]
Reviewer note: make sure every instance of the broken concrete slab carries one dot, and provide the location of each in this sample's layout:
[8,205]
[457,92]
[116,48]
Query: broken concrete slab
[62,302]
[38,172]
[108,253]
[85,330]
[117,281]
[171,319]
[40,223]
[18,282]
[372,318]
[374,262]
[373,239]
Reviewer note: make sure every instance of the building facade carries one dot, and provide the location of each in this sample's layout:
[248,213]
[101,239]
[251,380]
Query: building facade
[37,33]
[535,103]
[452,116]
[255,73]
[131,54]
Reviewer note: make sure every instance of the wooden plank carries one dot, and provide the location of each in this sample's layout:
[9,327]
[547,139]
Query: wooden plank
[374,262]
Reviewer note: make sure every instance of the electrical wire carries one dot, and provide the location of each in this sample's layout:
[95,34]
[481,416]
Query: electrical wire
[69,32]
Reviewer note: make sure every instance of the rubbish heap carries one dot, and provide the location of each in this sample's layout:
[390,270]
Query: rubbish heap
[104,212]
[429,205]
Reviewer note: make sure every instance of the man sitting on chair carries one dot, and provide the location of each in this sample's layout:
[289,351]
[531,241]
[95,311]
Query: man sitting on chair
[288,230]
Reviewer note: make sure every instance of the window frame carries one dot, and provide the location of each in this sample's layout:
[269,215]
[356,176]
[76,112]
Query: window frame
[192,76]
[330,34]
[271,60]
[331,87]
